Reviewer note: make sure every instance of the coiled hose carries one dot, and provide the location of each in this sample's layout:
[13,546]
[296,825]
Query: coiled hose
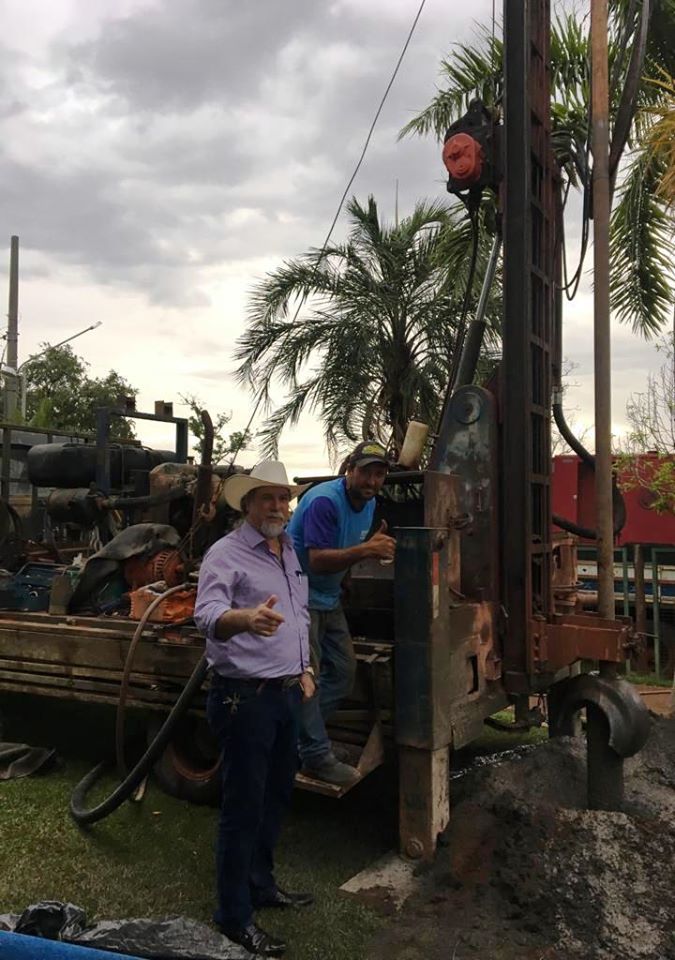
[78,811]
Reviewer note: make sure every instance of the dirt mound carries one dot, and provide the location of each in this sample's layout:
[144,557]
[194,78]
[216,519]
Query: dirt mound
[528,873]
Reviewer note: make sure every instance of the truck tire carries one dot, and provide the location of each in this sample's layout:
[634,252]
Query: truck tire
[189,767]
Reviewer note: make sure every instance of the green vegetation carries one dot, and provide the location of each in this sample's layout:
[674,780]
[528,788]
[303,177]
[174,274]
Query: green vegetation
[661,136]
[224,446]
[496,741]
[60,393]
[156,859]
[647,679]
[373,346]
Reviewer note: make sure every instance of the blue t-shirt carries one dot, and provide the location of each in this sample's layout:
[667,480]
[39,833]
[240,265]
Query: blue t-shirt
[326,520]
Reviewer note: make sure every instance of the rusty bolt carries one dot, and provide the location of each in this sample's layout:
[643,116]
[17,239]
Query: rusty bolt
[414,849]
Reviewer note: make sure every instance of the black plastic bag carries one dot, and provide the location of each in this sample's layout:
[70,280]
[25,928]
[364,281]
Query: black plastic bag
[171,938]
[22,760]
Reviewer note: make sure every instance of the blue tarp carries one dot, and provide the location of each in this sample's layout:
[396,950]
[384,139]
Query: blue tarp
[17,946]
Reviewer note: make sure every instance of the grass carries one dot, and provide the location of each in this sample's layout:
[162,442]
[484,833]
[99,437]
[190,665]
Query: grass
[648,679]
[155,858]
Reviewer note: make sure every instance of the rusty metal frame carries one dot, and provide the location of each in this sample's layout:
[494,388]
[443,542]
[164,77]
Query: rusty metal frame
[528,334]
[559,643]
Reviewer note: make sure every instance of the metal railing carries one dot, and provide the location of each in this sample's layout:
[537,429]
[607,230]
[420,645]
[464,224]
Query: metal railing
[658,597]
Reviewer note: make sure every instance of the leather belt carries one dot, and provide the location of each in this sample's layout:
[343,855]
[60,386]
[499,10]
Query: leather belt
[272,683]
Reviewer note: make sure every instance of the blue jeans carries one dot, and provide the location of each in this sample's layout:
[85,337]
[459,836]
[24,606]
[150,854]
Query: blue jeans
[257,728]
[332,649]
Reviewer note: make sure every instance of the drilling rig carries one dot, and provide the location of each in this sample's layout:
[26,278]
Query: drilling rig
[477,612]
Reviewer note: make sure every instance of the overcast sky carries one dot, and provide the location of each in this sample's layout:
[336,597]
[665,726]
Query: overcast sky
[159,156]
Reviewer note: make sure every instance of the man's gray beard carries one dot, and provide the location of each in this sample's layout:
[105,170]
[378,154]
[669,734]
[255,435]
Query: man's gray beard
[272,528]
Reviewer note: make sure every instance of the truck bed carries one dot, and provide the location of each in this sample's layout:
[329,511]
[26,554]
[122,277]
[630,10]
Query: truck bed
[82,658]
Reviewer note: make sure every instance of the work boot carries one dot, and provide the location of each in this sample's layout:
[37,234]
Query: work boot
[342,752]
[330,770]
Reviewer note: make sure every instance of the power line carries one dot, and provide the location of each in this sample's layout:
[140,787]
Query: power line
[373,124]
[344,195]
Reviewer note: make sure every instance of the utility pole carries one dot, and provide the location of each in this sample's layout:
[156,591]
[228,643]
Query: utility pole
[11,380]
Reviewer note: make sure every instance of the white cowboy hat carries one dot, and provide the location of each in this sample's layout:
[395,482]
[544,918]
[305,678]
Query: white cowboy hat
[268,473]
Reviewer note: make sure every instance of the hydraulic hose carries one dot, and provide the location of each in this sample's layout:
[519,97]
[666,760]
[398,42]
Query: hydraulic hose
[618,502]
[150,500]
[458,350]
[473,342]
[585,532]
[565,432]
[78,811]
[461,326]
[126,673]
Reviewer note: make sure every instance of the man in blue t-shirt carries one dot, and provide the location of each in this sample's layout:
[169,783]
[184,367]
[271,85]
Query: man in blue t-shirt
[329,530]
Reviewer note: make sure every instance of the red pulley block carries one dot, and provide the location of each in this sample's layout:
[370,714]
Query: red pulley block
[463,159]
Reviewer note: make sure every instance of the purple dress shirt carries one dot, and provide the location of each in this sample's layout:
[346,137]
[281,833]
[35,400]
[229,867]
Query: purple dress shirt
[241,571]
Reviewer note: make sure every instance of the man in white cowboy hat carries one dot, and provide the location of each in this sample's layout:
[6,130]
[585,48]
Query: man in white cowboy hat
[252,608]
[329,530]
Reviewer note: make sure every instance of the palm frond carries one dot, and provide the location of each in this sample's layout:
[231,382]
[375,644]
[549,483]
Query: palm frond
[472,71]
[641,234]
[371,344]
[660,138]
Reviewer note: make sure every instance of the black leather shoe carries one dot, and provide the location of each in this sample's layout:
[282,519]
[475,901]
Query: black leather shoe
[256,941]
[283,900]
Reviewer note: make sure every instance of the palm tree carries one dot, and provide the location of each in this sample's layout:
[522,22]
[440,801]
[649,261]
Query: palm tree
[641,228]
[661,137]
[372,347]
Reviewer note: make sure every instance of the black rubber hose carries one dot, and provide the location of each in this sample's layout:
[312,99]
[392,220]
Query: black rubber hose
[570,439]
[77,800]
[574,528]
[150,500]
[618,512]
[618,502]
[126,675]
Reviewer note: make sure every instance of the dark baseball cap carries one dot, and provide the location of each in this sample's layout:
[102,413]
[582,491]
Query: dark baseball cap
[368,451]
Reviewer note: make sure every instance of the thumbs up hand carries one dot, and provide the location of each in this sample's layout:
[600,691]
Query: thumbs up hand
[381,545]
[264,619]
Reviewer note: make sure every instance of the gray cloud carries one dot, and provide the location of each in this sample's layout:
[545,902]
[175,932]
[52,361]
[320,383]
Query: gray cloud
[175,56]
[190,134]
